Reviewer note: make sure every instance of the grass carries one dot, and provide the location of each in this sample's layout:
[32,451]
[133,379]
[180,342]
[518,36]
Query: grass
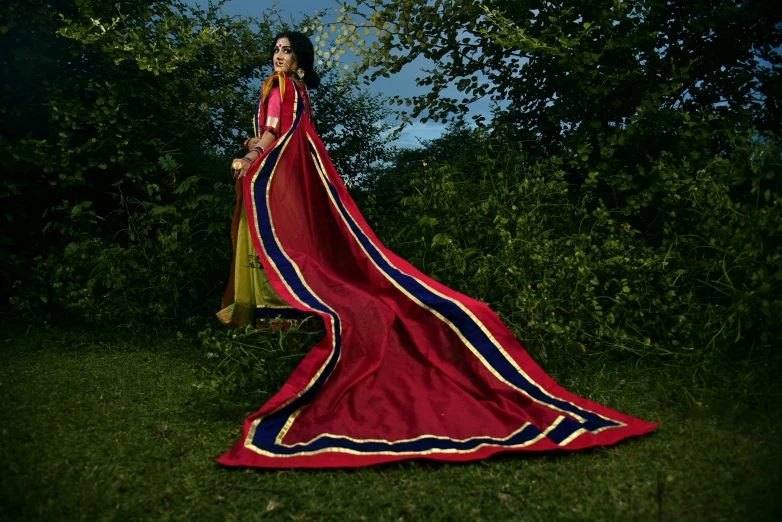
[97,428]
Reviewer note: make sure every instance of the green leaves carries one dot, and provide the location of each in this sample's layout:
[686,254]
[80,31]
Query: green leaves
[340,106]
[245,364]
[114,119]
[140,113]
[571,274]
[604,75]
[70,249]
[428,221]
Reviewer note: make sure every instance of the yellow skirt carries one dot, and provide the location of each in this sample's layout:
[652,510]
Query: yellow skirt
[252,291]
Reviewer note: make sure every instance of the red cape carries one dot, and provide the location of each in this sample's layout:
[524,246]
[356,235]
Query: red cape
[408,368]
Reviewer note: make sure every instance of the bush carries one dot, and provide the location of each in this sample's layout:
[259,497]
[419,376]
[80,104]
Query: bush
[252,364]
[570,274]
[116,177]
[160,265]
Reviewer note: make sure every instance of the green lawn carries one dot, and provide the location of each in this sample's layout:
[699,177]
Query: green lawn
[112,430]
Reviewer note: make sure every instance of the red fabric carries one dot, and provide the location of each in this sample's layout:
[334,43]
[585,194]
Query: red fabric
[275,103]
[408,368]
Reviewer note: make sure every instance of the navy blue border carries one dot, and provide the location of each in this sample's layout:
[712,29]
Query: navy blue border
[270,426]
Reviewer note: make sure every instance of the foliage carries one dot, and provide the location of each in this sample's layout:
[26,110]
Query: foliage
[625,198]
[115,188]
[630,196]
[155,267]
[572,68]
[608,87]
[352,124]
[118,147]
[569,275]
[253,364]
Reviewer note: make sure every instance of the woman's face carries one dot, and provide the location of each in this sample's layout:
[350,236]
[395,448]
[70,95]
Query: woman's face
[284,59]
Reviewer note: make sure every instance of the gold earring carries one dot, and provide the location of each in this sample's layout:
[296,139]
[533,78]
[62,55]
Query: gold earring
[300,72]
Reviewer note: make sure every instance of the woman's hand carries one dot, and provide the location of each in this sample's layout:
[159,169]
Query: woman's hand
[249,143]
[240,166]
[252,142]
[243,165]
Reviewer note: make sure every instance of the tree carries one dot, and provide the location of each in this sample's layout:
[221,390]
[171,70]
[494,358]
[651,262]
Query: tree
[353,126]
[655,123]
[119,120]
[564,67]
[607,88]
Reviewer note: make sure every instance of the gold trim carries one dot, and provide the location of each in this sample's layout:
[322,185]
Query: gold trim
[251,432]
[573,436]
[287,426]
[271,121]
[414,439]
[495,443]
[324,178]
[291,419]
[268,85]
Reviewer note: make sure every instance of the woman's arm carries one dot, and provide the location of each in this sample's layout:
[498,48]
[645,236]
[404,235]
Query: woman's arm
[263,142]
[271,131]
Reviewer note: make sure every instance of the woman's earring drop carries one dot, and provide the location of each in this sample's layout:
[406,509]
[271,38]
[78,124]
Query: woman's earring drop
[300,73]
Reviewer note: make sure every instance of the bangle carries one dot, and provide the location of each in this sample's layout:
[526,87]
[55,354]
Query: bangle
[248,158]
[258,149]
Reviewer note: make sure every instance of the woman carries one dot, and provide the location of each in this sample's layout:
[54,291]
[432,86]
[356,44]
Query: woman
[408,367]
[249,296]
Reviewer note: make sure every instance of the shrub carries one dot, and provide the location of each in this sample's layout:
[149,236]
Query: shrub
[252,364]
[115,170]
[569,273]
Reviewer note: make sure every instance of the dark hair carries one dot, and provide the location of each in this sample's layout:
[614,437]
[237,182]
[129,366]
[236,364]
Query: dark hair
[305,55]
